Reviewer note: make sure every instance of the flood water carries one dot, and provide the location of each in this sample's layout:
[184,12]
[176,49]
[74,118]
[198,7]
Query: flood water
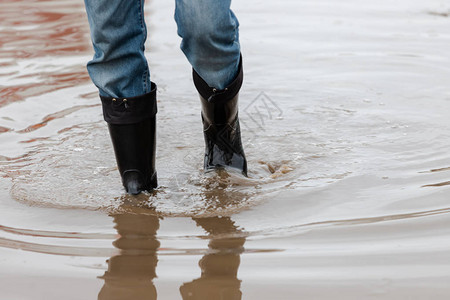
[346,125]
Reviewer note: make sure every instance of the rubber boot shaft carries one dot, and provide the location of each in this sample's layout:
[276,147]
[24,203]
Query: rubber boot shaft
[223,145]
[132,127]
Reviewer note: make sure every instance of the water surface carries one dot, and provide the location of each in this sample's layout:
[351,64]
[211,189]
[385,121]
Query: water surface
[345,115]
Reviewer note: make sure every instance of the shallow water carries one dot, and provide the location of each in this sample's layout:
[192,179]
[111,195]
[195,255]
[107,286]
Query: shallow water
[345,112]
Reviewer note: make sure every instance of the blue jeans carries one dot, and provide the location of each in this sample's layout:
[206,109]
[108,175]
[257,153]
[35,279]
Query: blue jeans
[210,41]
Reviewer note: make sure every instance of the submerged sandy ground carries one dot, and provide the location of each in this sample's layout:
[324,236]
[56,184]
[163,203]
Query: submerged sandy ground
[345,111]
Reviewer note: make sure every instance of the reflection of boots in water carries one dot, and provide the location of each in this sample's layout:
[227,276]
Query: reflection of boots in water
[130,273]
[219,268]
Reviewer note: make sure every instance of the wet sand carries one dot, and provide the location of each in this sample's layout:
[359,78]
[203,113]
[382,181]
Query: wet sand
[345,112]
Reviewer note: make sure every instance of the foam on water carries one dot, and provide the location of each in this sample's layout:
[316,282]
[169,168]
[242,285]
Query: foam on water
[77,170]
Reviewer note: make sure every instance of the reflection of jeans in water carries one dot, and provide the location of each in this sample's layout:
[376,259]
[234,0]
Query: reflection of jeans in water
[210,41]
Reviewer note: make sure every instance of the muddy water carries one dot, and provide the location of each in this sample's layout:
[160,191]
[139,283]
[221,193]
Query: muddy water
[346,123]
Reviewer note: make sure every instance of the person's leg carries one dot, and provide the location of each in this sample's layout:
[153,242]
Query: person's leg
[120,71]
[210,41]
[118,33]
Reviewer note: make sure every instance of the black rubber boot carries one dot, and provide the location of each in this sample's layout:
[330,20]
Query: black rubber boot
[132,126]
[221,125]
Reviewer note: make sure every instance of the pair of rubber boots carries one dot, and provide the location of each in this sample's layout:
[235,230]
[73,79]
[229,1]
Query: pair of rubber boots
[132,126]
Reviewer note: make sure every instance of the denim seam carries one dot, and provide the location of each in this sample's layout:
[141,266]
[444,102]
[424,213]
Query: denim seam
[143,28]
